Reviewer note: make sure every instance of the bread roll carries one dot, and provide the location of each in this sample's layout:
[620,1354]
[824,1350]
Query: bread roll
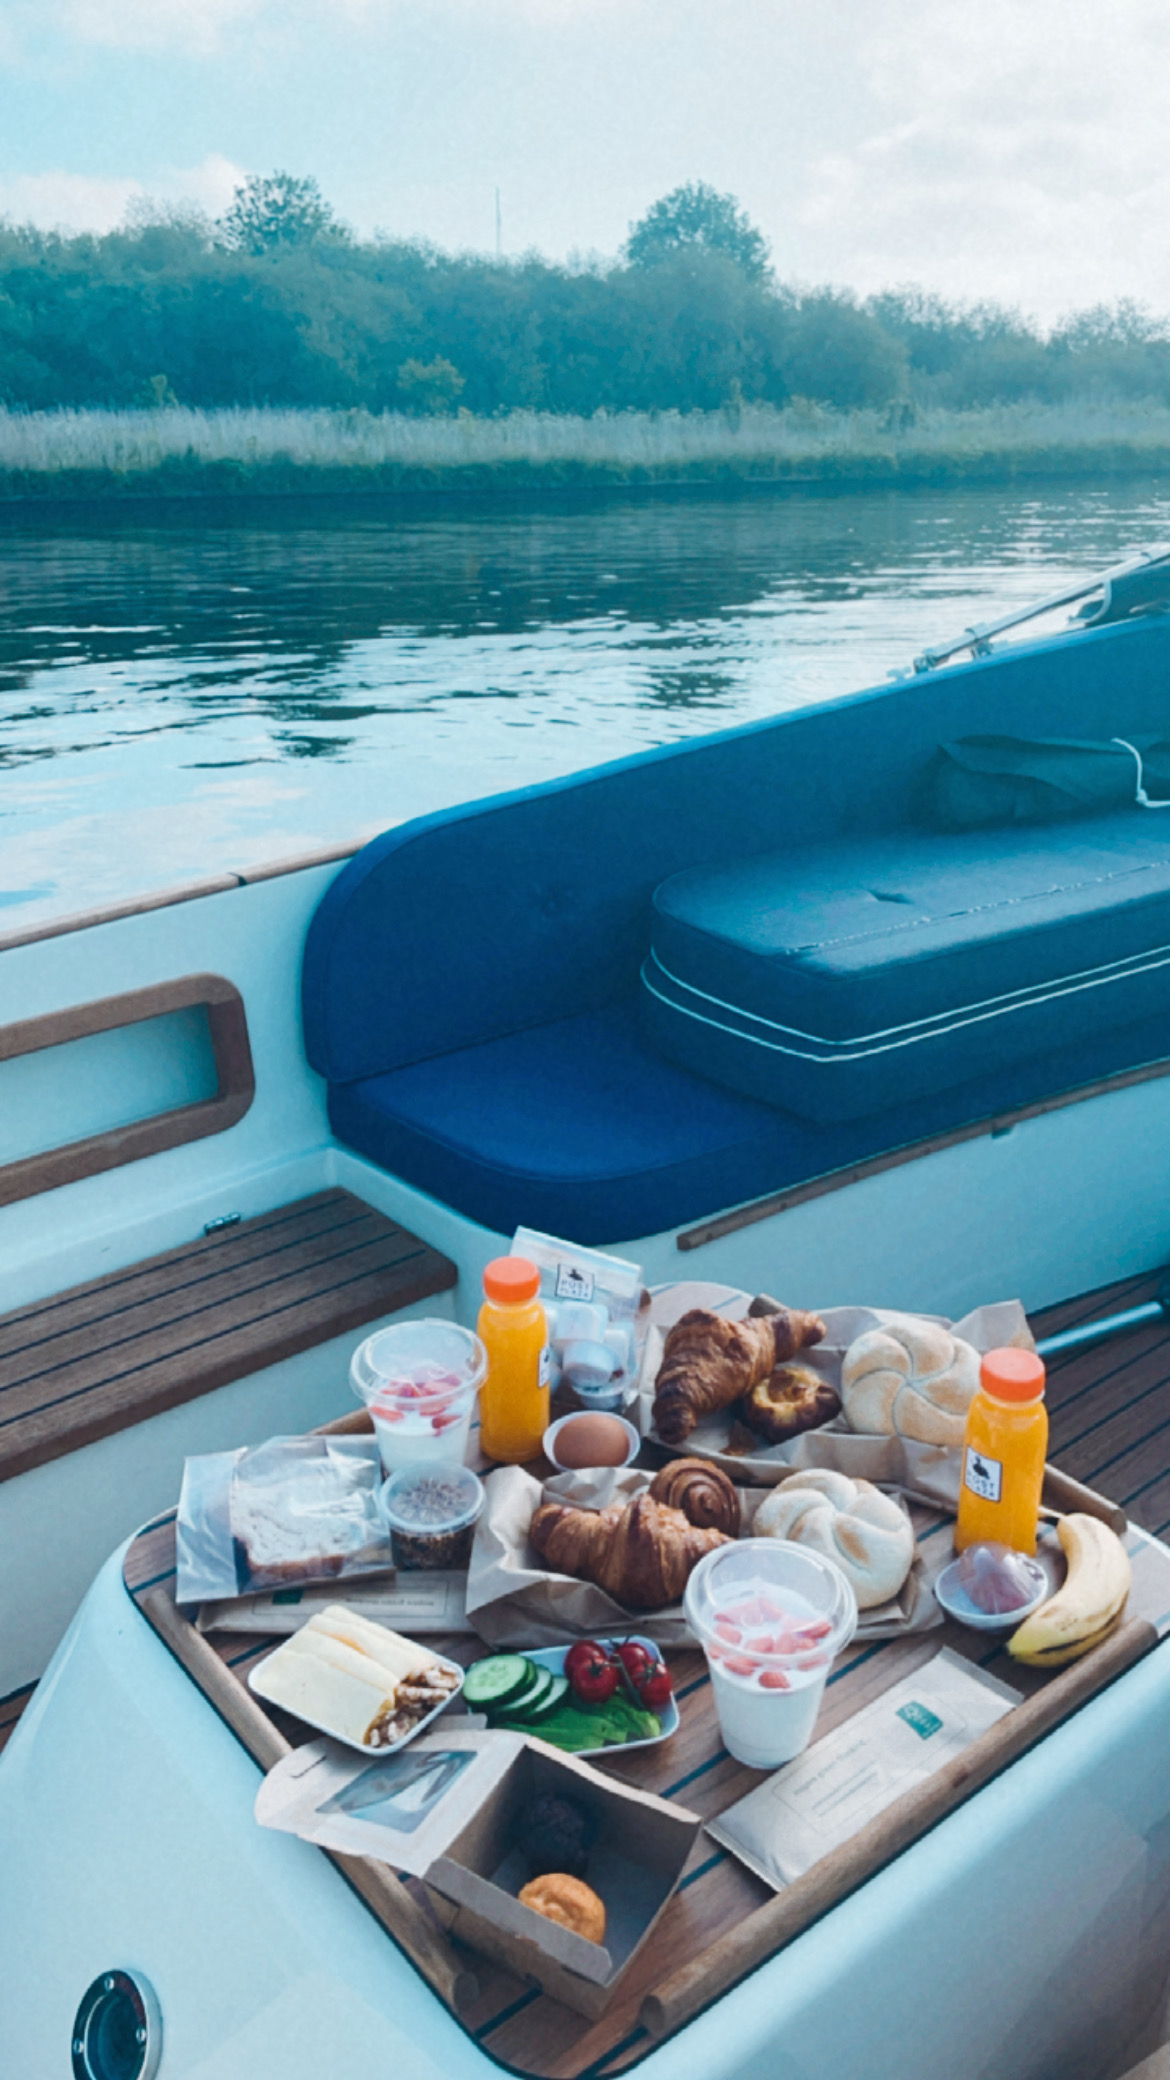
[568,1902]
[909,1378]
[852,1522]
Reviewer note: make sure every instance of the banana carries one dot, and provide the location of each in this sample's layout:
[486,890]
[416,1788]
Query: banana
[1089,1602]
[1056,1657]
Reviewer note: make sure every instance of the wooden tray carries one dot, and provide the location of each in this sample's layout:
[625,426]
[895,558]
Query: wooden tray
[723,1919]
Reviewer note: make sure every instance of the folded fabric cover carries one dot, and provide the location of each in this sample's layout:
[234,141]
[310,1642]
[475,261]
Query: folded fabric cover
[986,780]
[842,980]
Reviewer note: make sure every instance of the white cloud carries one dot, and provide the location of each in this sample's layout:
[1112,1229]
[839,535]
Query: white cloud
[198,26]
[192,25]
[1013,152]
[81,202]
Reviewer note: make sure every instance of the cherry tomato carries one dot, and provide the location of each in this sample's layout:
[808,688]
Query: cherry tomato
[591,1671]
[638,1664]
[657,1690]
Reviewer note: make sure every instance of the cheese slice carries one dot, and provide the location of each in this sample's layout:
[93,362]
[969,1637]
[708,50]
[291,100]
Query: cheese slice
[334,1653]
[348,1696]
[393,1655]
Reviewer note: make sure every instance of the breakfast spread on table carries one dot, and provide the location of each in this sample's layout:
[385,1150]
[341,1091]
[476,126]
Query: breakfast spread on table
[743,1484]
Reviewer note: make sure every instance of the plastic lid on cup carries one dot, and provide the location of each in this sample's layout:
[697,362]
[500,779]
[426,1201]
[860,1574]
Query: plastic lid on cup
[802,1588]
[510,1280]
[1011,1375]
[427,1355]
[429,1501]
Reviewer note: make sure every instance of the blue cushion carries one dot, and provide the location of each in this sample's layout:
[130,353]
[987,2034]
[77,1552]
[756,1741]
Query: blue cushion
[579,1128]
[851,978]
[477,921]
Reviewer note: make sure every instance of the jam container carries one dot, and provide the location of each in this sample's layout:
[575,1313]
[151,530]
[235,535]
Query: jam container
[430,1512]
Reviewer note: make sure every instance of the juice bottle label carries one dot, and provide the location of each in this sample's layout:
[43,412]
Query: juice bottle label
[983,1475]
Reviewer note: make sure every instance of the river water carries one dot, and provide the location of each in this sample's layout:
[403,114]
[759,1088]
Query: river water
[182,694]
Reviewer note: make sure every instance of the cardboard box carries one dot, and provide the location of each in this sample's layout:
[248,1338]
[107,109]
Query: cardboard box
[635,1863]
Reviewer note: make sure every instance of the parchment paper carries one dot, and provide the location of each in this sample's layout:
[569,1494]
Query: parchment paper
[513,1600]
[929,1472]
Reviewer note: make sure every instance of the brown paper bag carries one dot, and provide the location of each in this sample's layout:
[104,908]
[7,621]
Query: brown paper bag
[929,1472]
[513,1600]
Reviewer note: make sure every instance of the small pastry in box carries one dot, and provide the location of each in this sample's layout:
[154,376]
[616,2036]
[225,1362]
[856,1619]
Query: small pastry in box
[638,1846]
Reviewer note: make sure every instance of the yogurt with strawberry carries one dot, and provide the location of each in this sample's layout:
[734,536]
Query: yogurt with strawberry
[419,1381]
[770,1616]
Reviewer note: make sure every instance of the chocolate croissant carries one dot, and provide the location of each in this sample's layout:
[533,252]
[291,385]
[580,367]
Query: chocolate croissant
[709,1362]
[705,1495]
[640,1552]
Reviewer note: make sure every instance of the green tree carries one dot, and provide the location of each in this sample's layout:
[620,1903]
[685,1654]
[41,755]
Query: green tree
[274,210]
[430,386]
[696,215]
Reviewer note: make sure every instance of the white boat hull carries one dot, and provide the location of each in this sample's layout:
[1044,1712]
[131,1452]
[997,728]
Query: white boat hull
[1024,1937]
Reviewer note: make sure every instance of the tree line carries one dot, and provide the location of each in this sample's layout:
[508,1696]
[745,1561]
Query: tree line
[277,303]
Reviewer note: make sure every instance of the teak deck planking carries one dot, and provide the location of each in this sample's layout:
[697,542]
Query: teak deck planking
[118,1349]
[1092,1397]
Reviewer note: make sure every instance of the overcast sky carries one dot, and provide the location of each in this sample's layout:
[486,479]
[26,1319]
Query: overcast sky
[1017,150]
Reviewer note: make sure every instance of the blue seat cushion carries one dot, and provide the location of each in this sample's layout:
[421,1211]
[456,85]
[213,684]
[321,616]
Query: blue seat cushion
[848,979]
[579,1128]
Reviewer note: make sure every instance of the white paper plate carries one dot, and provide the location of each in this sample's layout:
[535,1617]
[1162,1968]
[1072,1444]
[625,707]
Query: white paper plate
[256,1682]
[553,1658]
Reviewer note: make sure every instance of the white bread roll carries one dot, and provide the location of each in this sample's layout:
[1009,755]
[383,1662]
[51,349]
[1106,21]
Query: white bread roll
[909,1379]
[852,1522]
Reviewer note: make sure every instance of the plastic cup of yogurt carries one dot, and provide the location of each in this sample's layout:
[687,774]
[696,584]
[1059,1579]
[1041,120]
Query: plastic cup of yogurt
[419,1381]
[770,1617]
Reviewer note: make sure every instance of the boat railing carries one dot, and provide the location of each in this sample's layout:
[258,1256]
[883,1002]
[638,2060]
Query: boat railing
[1140,585]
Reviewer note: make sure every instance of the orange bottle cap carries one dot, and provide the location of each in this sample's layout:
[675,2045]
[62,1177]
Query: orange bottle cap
[1012,1375]
[510,1280]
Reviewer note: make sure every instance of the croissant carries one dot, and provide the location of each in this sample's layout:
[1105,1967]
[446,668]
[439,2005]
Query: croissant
[641,1553]
[703,1493]
[708,1362]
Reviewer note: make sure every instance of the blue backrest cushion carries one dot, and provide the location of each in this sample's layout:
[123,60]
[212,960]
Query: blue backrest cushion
[475,922]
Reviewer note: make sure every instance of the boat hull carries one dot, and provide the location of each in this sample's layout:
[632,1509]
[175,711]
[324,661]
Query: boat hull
[1026,1935]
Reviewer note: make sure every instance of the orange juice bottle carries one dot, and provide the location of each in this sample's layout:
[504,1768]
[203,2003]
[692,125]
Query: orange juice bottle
[1004,1448]
[513,1401]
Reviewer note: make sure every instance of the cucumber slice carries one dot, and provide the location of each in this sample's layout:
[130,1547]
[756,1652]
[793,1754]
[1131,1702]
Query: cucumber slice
[492,1684]
[520,1707]
[538,1713]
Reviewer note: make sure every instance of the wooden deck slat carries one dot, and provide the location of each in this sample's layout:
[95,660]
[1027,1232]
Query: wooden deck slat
[115,1351]
[1119,1405]
[1102,1300]
[234,1300]
[185,1272]
[1109,1405]
[12,1709]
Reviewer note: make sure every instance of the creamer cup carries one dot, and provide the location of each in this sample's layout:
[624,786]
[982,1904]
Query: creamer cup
[770,1616]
